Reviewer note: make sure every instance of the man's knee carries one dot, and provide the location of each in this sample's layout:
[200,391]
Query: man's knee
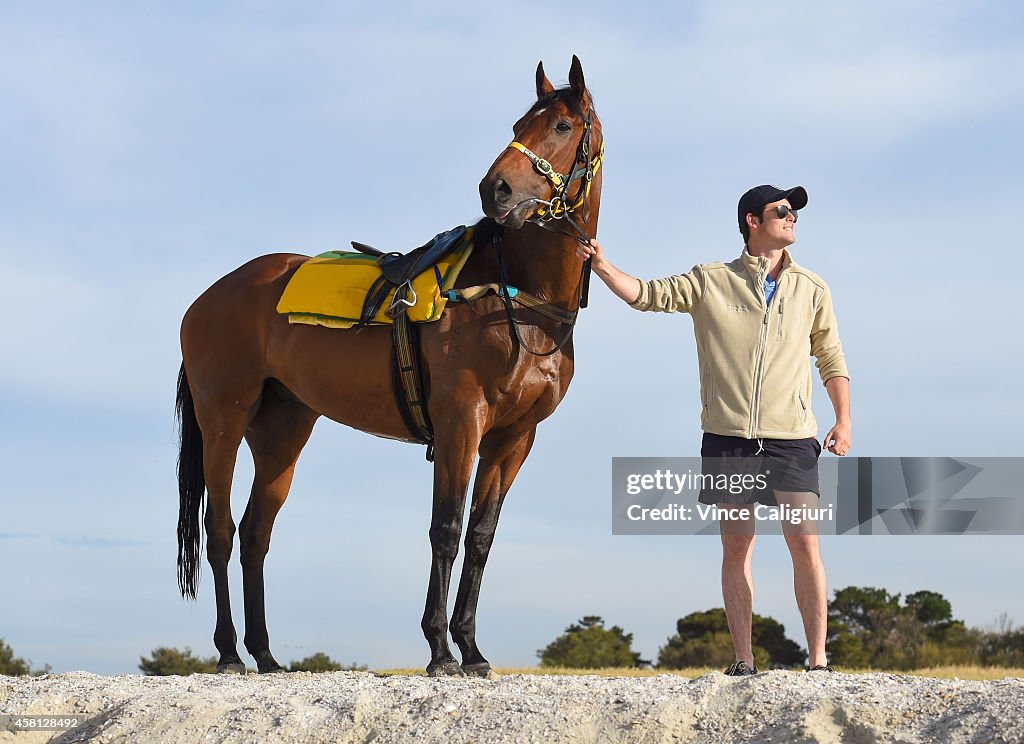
[804,548]
[737,547]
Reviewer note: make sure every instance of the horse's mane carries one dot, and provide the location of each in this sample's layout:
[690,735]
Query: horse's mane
[483,232]
[566,95]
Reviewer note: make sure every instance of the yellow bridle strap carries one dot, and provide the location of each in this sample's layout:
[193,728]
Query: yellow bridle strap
[560,207]
[542,165]
[558,180]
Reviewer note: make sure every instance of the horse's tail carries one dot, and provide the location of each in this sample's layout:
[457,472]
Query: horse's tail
[191,488]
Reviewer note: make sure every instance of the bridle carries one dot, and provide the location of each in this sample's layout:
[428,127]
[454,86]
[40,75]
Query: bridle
[584,167]
[560,207]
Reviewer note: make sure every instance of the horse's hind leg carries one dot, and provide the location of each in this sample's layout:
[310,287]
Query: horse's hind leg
[276,436]
[499,464]
[222,426]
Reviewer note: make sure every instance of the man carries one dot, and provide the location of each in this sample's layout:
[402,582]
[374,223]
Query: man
[757,320]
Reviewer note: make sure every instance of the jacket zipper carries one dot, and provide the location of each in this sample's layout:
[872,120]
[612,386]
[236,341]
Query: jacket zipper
[779,335]
[761,348]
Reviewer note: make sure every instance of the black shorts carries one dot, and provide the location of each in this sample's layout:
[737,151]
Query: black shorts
[745,471]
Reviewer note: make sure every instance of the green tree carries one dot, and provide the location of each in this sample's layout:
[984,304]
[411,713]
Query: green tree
[321,662]
[1003,645]
[869,627]
[709,650]
[702,639]
[10,664]
[1003,649]
[860,610]
[166,661]
[862,628]
[931,608]
[589,645]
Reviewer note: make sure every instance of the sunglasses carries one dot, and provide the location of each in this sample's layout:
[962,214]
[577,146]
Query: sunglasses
[782,212]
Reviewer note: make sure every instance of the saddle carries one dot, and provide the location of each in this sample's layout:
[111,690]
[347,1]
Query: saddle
[346,290]
[397,271]
[400,267]
[331,289]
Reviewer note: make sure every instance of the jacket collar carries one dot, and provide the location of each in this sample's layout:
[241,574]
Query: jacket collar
[757,266]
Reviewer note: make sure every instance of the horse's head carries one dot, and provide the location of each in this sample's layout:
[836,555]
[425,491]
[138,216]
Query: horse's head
[549,166]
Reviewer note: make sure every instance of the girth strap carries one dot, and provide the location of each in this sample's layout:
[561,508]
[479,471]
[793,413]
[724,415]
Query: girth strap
[407,382]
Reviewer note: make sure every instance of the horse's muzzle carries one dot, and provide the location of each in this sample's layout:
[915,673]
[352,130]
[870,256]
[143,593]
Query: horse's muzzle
[502,204]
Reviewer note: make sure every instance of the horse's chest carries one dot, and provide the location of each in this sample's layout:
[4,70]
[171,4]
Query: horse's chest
[534,389]
[472,360]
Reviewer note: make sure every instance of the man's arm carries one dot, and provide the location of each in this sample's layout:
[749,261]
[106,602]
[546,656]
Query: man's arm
[831,363]
[837,441]
[673,294]
[622,284]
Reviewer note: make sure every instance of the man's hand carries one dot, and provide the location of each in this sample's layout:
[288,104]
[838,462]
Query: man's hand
[592,251]
[626,287]
[837,441]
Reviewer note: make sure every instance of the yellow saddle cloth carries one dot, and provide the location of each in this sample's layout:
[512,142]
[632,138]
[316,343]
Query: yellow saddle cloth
[329,290]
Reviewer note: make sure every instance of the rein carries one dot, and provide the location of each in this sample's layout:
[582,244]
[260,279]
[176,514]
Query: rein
[507,293]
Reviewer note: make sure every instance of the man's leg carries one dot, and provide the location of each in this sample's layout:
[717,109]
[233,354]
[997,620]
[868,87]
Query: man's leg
[738,582]
[808,574]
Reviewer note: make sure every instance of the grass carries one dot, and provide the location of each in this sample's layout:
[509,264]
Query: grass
[968,672]
[946,672]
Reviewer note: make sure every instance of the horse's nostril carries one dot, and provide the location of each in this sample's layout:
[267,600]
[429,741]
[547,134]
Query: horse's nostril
[502,191]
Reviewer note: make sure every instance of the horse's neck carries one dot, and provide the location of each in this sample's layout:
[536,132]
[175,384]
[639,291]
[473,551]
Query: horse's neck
[544,262]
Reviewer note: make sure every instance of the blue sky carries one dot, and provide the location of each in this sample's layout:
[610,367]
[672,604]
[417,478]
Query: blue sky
[150,149]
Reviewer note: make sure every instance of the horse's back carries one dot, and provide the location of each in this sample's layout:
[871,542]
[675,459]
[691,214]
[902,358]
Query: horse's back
[237,308]
[234,336]
[224,332]
[262,275]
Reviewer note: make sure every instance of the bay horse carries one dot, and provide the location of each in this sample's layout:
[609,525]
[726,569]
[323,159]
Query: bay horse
[491,372]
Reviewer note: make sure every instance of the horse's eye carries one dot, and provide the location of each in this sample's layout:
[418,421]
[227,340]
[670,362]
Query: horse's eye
[563,127]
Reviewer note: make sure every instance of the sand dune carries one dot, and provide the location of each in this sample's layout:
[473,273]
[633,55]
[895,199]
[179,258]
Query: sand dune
[360,707]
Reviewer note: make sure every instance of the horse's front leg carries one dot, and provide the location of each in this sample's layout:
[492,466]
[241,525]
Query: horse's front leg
[455,450]
[500,459]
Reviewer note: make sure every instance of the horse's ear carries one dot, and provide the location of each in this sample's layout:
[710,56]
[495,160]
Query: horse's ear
[544,85]
[576,82]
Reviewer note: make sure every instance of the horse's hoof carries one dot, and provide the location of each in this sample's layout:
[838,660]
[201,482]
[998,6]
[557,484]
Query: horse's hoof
[481,669]
[267,664]
[231,667]
[450,668]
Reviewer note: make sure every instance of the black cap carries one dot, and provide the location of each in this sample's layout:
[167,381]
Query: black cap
[755,199]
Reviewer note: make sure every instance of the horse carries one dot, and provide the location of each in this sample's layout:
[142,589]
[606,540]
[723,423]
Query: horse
[492,369]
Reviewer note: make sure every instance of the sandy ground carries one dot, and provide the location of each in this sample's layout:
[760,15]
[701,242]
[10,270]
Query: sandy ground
[360,707]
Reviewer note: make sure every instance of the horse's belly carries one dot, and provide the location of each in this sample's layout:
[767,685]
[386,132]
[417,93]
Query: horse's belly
[344,375]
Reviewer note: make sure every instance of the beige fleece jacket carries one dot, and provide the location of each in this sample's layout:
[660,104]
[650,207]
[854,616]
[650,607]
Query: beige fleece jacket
[755,376]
